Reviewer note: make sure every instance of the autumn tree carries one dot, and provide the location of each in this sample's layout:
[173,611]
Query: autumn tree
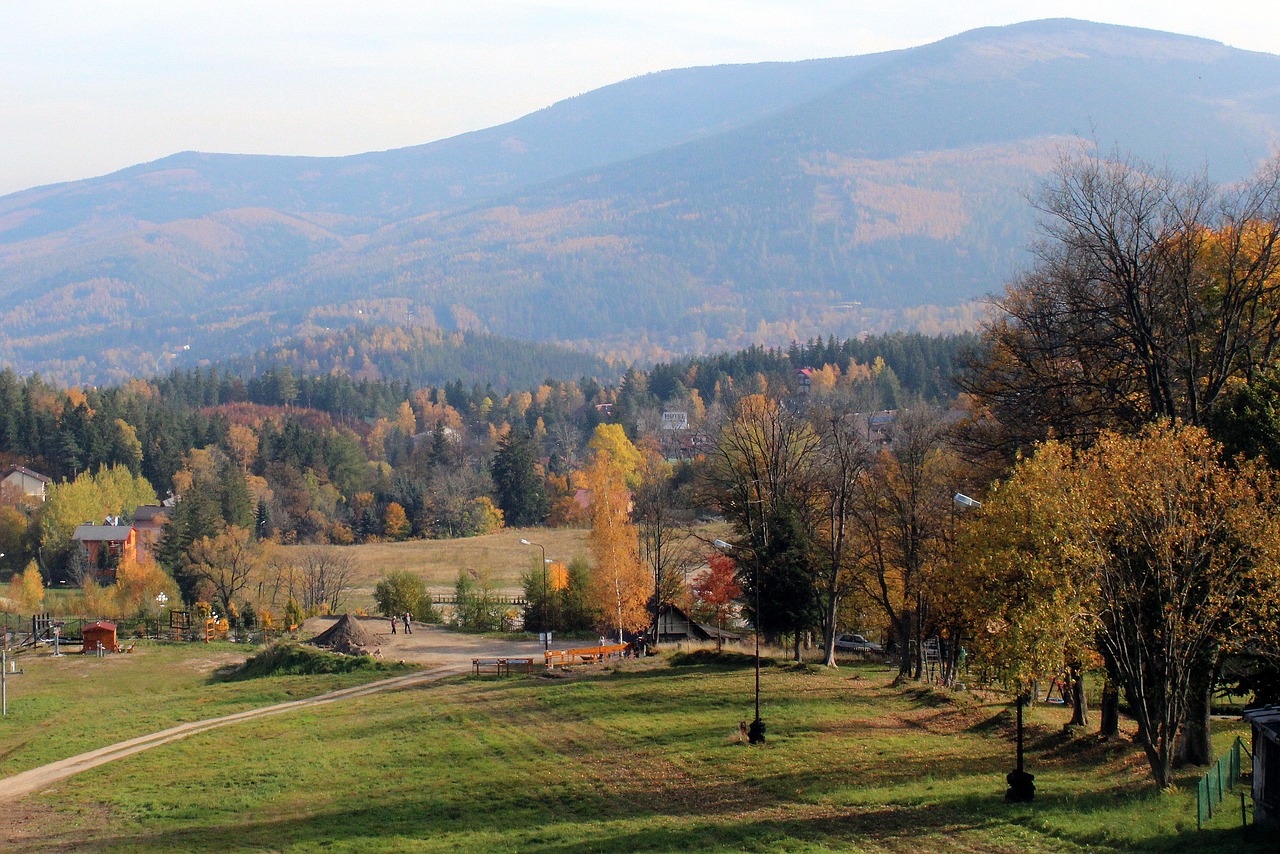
[1017,583]
[395,524]
[902,516]
[26,589]
[224,563]
[763,474]
[619,584]
[1176,554]
[715,592]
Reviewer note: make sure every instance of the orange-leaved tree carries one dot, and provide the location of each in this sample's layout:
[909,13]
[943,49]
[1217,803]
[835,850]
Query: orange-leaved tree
[715,591]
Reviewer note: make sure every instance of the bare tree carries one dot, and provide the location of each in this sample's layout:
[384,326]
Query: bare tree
[844,454]
[326,576]
[1150,294]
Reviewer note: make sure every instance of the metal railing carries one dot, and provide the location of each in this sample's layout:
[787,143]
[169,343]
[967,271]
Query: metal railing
[1222,778]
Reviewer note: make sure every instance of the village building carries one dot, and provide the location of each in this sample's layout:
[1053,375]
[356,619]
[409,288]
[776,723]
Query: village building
[675,626]
[25,482]
[105,546]
[1266,765]
[148,523]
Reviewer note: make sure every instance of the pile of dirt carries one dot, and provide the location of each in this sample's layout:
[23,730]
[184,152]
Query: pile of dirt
[346,636]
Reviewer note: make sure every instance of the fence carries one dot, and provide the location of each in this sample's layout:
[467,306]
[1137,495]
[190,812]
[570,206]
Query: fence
[1222,777]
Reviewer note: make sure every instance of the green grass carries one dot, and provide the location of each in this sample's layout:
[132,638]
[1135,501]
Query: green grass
[59,707]
[642,757]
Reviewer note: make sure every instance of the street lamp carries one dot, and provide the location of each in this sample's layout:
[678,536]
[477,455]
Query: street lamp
[1022,787]
[546,635]
[755,733]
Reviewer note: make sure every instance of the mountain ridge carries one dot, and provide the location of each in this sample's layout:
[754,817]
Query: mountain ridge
[678,211]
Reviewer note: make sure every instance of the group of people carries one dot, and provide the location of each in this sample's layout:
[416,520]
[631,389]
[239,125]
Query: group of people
[408,622]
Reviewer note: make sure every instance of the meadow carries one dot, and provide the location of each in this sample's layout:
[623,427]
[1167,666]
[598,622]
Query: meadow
[641,756]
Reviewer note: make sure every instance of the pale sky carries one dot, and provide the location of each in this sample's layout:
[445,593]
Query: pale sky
[89,87]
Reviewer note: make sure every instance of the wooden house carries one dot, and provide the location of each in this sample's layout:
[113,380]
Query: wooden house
[1266,765]
[674,625]
[106,545]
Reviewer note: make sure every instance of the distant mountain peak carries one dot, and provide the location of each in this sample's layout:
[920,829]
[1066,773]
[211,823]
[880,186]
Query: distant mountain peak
[676,211]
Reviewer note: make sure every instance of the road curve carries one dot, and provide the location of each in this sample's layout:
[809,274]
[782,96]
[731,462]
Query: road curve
[12,788]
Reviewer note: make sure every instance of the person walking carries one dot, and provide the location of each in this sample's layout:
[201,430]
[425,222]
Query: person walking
[408,629]
[393,624]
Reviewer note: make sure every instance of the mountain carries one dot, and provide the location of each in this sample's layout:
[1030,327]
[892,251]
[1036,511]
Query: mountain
[675,212]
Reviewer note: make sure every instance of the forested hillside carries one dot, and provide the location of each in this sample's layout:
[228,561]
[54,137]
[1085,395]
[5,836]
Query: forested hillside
[325,458]
[673,214]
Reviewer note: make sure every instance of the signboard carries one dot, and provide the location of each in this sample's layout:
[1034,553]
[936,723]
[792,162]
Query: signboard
[675,421]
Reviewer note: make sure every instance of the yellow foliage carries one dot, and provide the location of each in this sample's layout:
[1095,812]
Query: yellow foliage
[26,589]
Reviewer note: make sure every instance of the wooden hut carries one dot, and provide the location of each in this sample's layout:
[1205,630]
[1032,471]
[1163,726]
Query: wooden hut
[99,635]
[1266,764]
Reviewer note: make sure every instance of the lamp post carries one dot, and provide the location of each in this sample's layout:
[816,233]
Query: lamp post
[1022,787]
[546,635]
[755,733]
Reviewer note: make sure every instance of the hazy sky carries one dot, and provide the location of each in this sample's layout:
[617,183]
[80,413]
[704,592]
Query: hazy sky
[90,87]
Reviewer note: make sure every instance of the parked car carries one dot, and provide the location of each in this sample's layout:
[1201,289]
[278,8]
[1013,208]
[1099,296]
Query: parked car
[857,643]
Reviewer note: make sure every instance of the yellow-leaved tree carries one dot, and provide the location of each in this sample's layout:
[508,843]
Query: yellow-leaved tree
[26,589]
[618,587]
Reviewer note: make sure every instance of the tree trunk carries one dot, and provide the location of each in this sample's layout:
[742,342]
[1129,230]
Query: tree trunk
[1110,711]
[1194,745]
[904,646]
[1079,699]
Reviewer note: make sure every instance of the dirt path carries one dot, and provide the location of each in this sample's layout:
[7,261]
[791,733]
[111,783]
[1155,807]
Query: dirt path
[443,653]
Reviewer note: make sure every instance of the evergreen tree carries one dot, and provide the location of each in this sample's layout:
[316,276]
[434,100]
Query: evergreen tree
[518,486]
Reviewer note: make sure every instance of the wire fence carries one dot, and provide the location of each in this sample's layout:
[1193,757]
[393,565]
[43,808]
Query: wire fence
[1222,778]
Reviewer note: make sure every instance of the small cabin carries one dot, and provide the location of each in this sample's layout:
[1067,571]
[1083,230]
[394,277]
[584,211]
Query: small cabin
[99,636]
[1266,765]
[674,625]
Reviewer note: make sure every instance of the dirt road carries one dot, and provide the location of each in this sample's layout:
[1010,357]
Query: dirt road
[442,653]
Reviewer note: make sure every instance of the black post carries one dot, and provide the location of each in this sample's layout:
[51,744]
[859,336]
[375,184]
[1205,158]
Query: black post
[755,734]
[1021,785]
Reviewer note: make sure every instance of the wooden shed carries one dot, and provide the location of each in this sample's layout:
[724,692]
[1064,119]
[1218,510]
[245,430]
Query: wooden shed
[1266,765]
[99,635]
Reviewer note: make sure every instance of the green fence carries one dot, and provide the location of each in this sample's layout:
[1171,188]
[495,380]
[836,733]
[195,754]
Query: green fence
[1222,778]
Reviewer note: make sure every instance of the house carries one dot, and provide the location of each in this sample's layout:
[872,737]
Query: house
[149,521]
[105,546]
[25,481]
[1266,765]
[674,625]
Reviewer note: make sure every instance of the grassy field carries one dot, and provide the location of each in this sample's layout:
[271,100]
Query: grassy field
[643,757]
[59,707]
[498,555]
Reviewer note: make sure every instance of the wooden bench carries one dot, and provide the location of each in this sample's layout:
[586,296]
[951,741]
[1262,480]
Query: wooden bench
[500,666]
[585,654]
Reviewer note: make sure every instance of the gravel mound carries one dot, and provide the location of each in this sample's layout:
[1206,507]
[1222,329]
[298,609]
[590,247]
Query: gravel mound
[346,636]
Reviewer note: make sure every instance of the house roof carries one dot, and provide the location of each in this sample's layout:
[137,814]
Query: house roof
[102,533]
[148,512]
[1265,720]
[100,624]
[23,470]
[708,632]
